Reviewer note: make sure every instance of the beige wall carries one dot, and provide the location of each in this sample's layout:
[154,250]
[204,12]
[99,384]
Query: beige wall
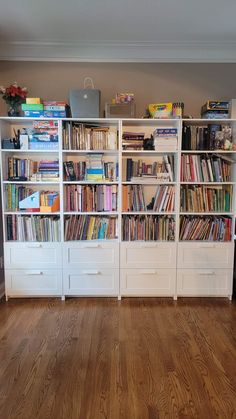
[191,83]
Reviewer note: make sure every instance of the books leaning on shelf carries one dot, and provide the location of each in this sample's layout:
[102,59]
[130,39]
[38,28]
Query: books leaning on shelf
[133,198]
[35,228]
[87,198]
[77,136]
[206,198]
[162,170]
[206,168]
[205,228]
[17,197]
[148,228]
[213,136]
[88,227]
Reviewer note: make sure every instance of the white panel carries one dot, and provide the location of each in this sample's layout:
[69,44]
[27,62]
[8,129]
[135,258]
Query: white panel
[204,282]
[33,282]
[105,255]
[148,255]
[91,282]
[26,255]
[205,255]
[148,282]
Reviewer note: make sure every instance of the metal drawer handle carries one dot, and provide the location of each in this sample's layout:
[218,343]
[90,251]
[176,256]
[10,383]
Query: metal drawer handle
[148,272]
[37,245]
[91,272]
[34,273]
[206,273]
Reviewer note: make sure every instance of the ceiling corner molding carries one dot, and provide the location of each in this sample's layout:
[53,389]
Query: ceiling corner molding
[224,52]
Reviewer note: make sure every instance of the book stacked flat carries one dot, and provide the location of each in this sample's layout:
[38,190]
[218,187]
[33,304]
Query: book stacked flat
[46,171]
[165,139]
[132,140]
[44,135]
[94,167]
[33,107]
[54,109]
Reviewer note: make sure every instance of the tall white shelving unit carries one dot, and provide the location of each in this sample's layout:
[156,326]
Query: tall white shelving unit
[116,267]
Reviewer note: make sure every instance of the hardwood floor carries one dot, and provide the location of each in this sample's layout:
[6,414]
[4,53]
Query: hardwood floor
[104,359]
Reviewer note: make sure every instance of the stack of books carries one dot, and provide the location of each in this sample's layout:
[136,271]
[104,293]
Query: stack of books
[46,171]
[78,170]
[48,109]
[33,107]
[94,167]
[133,140]
[165,139]
[214,109]
[44,135]
[54,109]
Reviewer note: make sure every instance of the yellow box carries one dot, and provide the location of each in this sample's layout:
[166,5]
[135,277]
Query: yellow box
[160,110]
[33,100]
[54,208]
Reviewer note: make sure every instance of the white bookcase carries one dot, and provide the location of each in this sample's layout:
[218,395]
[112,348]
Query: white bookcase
[125,264]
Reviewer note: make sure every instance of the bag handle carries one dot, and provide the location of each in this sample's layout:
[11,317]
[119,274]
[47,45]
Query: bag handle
[88,83]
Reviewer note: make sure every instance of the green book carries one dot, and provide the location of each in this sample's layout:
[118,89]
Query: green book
[32,107]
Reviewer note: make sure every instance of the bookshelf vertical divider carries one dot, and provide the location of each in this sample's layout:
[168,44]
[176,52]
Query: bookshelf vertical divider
[147,259]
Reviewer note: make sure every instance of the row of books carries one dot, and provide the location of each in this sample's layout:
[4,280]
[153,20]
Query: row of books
[87,227]
[208,228]
[163,169]
[48,109]
[27,169]
[78,136]
[91,198]
[199,198]
[205,168]
[207,137]
[133,199]
[33,228]
[148,228]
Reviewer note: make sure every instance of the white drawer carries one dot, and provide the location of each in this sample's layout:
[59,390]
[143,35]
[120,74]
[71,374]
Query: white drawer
[148,282]
[148,255]
[204,282]
[91,282]
[205,255]
[31,255]
[77,255]
[33,282]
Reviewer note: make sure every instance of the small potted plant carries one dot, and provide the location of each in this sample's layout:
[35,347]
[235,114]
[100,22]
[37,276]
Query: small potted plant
[14,96]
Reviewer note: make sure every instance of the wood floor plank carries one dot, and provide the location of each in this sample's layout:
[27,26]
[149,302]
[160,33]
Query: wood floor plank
[102,359]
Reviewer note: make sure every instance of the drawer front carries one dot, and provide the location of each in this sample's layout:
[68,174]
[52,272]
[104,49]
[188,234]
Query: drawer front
[31,255]
[205,255]
[204,282]
[77,255]
[148,282]
[148,255]
[33,282]
[91,282]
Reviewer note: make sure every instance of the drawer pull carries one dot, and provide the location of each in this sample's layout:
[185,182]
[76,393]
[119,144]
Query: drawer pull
[91,272]
[211,246]
[91,246]
[34,272]
[34,246]
[148,272]
[148,246]
[206,273]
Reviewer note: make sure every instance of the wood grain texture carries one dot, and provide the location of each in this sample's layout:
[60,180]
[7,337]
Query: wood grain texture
[103,359]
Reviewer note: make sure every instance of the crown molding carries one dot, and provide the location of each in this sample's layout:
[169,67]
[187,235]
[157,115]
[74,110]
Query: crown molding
[143,52]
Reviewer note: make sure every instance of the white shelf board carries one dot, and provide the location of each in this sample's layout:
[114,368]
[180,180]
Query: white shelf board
[91,213]
[15,150]
[207,183]
[207,213]
[90,151]
[30,213]
[208,151]
[149,152]
[154,183]
[147,213]
[28,182]
[88,182]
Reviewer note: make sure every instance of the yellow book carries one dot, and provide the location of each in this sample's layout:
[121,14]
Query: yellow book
[90,228]
[33,100]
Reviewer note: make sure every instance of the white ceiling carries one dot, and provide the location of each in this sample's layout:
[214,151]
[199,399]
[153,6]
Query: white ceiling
[118,30]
